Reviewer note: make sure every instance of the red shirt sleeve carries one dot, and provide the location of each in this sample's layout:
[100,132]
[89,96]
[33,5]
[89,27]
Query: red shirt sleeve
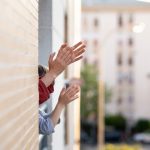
[44,91]
[51,88]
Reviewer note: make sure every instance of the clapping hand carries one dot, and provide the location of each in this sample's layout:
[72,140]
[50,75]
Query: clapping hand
[66,56]
[69,94]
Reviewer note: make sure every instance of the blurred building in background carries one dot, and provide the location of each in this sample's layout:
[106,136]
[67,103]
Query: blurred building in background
[117,36]
[30,30]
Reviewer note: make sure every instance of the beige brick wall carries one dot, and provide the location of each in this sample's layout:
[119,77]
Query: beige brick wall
[18,74]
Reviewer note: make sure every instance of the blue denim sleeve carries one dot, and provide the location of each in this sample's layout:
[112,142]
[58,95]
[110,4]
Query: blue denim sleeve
[45,124]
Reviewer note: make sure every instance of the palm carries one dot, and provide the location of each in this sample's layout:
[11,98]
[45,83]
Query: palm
[66,56]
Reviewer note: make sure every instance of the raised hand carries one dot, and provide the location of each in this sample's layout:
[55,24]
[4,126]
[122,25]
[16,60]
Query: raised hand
[78,49]
[61,61]
[68,95]
[51,58]
[66,55]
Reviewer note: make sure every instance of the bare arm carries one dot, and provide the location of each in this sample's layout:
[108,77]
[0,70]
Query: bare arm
[66,96]
[66,56]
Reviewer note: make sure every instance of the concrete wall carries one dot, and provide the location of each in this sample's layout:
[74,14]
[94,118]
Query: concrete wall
[18,73]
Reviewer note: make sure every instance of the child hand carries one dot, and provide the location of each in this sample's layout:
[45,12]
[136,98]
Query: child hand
[69,94]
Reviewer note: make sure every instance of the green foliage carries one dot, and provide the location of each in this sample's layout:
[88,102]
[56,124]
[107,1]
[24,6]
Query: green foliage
[142,125]
[118,122]
[89,91]
[108,93]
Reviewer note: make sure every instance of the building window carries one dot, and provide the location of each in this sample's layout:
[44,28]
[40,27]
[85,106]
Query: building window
[131,19]
[85,24]
[130,99]
[130,78]
[96,22]
[130,42]
[121,77]
[120,80]
[95,45]
[120,21]
[130,61]
[130,22]
[120,43]
[119,101]
[119,59]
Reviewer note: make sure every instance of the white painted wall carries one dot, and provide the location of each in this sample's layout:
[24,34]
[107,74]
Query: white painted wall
[52,36]
[142,68]
[58,12]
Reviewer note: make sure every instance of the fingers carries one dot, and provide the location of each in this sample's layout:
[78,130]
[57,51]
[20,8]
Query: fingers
[77,45]
[76,59]
[61,49]
[63,91]
[79,51]
[51,57]
[70,94]
[63,45]
[72,57]
[68,55]
[74,97]
[72,90]
[61,57]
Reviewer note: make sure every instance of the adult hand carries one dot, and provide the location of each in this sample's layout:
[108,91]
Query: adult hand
[68,95]
[66,55]
[78,49]
[61,61]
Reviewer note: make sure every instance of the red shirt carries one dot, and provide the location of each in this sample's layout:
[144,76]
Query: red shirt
[44,91]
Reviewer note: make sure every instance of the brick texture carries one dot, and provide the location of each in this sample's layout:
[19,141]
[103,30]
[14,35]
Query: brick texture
[18,74]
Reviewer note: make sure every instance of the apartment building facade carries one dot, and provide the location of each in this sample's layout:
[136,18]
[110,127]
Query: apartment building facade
[117,37]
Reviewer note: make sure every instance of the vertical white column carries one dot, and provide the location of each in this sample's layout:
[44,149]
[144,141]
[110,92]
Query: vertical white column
[58,18]
[74,31]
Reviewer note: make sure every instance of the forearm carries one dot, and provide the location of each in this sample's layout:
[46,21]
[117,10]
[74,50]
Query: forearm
[55,115]
[48,78]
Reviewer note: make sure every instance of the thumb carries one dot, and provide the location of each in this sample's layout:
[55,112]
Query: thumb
[63,91]
[51,57]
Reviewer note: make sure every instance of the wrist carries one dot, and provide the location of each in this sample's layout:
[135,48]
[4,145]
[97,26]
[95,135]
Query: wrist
[55,71]
[48,78]
[61,105]
[52,74]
